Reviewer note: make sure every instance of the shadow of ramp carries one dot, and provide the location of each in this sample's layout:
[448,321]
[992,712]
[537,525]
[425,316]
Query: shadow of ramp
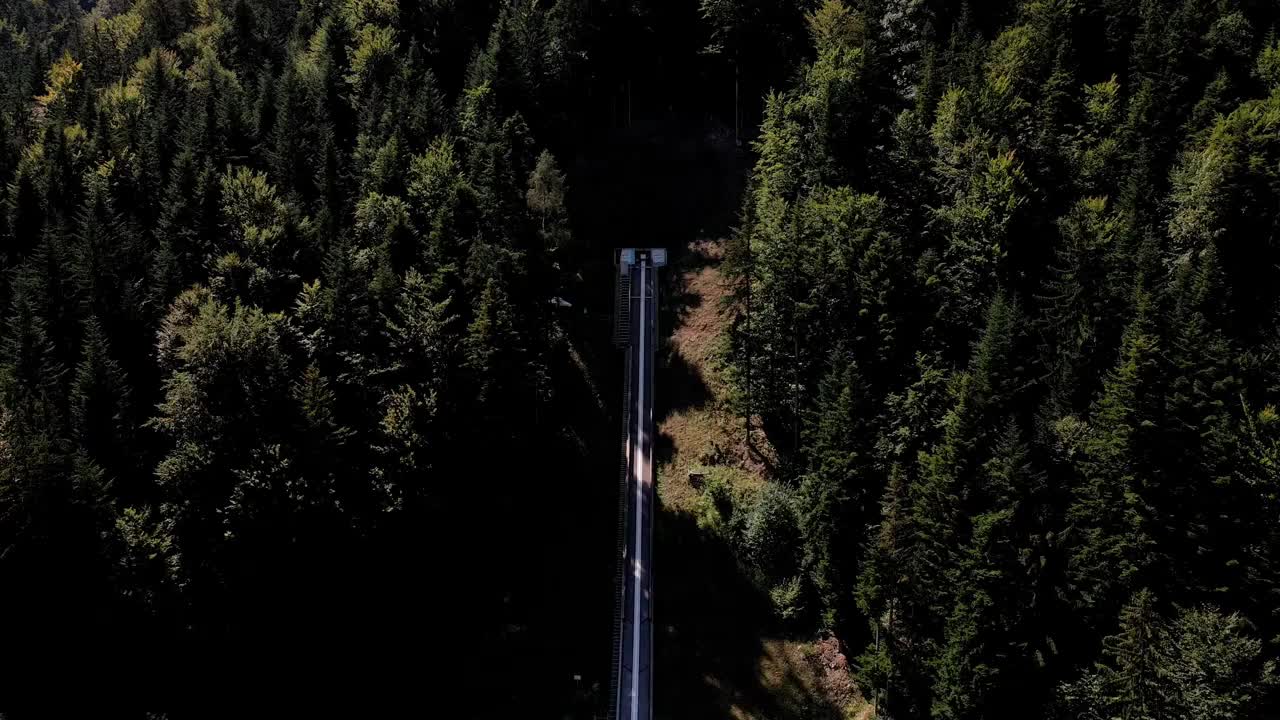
[683,387]
[711,620]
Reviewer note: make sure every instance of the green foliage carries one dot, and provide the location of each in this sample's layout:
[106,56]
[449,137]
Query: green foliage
[1201,663]
[835,496]
[719,505]
[979,228]
[420,327]
[788,600]
[1080,299]
[1064,219]
[546,189]
[226,365]
[1099,148]
[1268,68]
[264,237]
[1109,512]
[102,418]
[1216,669]
[989,637]
[282,284]
[373,57]
[770,533]
[59,91]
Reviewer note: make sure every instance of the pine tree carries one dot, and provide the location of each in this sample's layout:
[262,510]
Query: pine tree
[1216,669]
[24,207]
[835,498]
[322,486]
[442,207]
[1135,649]
[1080,300]
[102,420]
[1113,545]
[268,250]
[108,259]
[546,190]
[944,498]
[991,644]
[979,223]
[187,229]
[493,346]
[1201,664]
[424,387]
[897,603]
[225,408]
[1195,503]
[1254,501]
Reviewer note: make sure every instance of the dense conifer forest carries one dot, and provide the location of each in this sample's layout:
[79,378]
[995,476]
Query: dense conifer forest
[305,367]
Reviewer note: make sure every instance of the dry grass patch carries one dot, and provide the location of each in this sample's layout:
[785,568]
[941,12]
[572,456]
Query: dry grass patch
[726,655]
[805,679]
[707,434]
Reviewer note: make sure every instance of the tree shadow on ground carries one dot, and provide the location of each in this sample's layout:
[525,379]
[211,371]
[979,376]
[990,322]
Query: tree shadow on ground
[708,640]
[682,384]
[676,301]
[664,448]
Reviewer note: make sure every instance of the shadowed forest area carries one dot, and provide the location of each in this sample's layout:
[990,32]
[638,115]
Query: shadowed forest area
[967,408]
[287,387]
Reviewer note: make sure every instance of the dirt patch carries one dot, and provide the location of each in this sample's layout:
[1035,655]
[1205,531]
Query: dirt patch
[706,432]
[803,679]
[697,339]
[723,656]
[835,679]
